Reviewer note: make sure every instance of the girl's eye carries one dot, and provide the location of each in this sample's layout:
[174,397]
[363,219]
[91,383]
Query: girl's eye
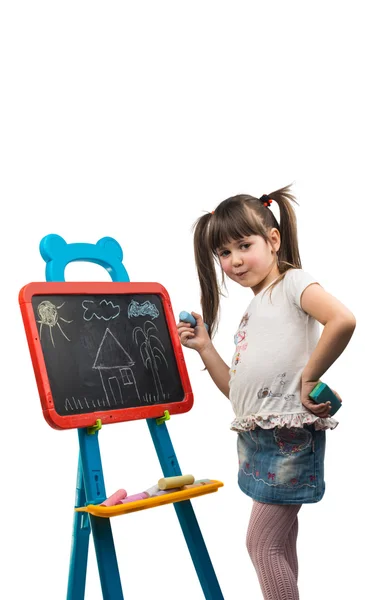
[226,253]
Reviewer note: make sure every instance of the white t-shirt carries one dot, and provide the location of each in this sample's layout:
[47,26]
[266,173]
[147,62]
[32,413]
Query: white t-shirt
[274,342]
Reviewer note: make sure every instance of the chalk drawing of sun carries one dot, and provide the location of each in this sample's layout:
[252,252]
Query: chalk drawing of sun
[49,316]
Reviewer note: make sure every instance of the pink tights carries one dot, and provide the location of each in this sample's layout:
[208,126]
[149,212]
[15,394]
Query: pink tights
[271,543]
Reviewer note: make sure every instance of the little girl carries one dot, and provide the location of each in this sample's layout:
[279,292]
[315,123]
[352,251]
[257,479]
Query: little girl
[279,359]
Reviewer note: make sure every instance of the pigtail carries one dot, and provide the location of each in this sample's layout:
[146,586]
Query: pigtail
[206,273]
[288,255]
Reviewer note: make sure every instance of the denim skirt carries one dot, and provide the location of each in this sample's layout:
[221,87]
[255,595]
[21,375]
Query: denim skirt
[282,465]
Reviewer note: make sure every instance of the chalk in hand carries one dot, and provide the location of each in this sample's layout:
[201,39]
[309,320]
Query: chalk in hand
[167,483]
[188,318]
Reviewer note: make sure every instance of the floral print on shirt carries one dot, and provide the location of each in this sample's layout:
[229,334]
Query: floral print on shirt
[240,341]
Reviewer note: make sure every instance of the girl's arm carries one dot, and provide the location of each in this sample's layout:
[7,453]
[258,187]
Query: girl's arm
[198,339]
[339,324]
[216,367]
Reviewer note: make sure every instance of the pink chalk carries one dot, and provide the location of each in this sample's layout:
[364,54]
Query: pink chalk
[140,496]
[115,498]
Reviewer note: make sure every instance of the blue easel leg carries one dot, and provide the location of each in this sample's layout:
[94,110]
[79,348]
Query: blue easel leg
[101,529]
[106,557]
[186,515]
[80,544]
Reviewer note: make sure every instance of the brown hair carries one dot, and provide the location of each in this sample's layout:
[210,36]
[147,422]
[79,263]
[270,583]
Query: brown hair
[233,219]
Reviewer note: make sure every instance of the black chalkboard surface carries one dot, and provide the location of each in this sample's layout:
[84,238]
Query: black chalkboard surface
[106,352]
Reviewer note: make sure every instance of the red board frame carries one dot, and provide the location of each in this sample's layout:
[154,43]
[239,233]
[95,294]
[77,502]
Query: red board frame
[127,414]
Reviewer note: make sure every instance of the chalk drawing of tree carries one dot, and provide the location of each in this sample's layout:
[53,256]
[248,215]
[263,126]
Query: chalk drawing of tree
[151,350]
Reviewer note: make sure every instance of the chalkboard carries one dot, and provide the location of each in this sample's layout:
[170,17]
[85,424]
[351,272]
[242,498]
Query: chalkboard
[107,353]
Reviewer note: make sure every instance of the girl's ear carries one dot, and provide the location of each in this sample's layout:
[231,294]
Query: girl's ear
[274,236]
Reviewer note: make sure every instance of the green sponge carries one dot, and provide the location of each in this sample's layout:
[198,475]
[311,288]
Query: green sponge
[322,393]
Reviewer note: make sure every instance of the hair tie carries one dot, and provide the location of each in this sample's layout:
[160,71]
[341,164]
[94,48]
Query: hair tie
[266,200]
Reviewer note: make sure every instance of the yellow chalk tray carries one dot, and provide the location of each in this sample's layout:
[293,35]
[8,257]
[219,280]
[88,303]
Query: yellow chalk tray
[122,509]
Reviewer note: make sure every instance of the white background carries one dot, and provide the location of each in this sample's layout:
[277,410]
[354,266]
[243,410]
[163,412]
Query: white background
[131,120]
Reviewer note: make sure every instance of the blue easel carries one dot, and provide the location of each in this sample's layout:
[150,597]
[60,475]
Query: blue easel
[90,488]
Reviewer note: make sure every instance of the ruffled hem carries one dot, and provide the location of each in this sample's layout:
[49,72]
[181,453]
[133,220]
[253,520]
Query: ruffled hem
[287,420]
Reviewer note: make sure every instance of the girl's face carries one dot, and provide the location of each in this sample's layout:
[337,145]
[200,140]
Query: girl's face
[251,261]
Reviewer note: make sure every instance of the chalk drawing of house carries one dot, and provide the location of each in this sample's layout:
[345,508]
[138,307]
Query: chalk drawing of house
[115,369]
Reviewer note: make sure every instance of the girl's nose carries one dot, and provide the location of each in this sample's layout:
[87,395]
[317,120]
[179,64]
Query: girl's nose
[237,260]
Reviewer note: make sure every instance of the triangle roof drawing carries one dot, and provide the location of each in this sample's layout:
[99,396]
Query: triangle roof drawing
[111,354]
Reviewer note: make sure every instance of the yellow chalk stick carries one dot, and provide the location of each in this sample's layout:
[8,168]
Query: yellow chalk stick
[167,483]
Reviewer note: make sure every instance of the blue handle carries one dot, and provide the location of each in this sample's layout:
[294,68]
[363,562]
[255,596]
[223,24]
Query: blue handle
[188,318]
[57,254]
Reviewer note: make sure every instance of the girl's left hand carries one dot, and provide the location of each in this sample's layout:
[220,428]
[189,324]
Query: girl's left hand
[320,410]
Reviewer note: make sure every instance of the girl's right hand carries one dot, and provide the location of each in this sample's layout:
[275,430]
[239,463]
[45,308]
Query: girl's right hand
[194,337]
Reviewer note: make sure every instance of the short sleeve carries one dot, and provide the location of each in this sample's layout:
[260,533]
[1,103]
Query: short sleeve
[296,281]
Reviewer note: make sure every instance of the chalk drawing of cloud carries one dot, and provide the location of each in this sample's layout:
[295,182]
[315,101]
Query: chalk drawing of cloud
[105,310]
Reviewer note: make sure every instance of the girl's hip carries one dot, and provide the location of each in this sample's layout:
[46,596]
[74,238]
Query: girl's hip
[282,465]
